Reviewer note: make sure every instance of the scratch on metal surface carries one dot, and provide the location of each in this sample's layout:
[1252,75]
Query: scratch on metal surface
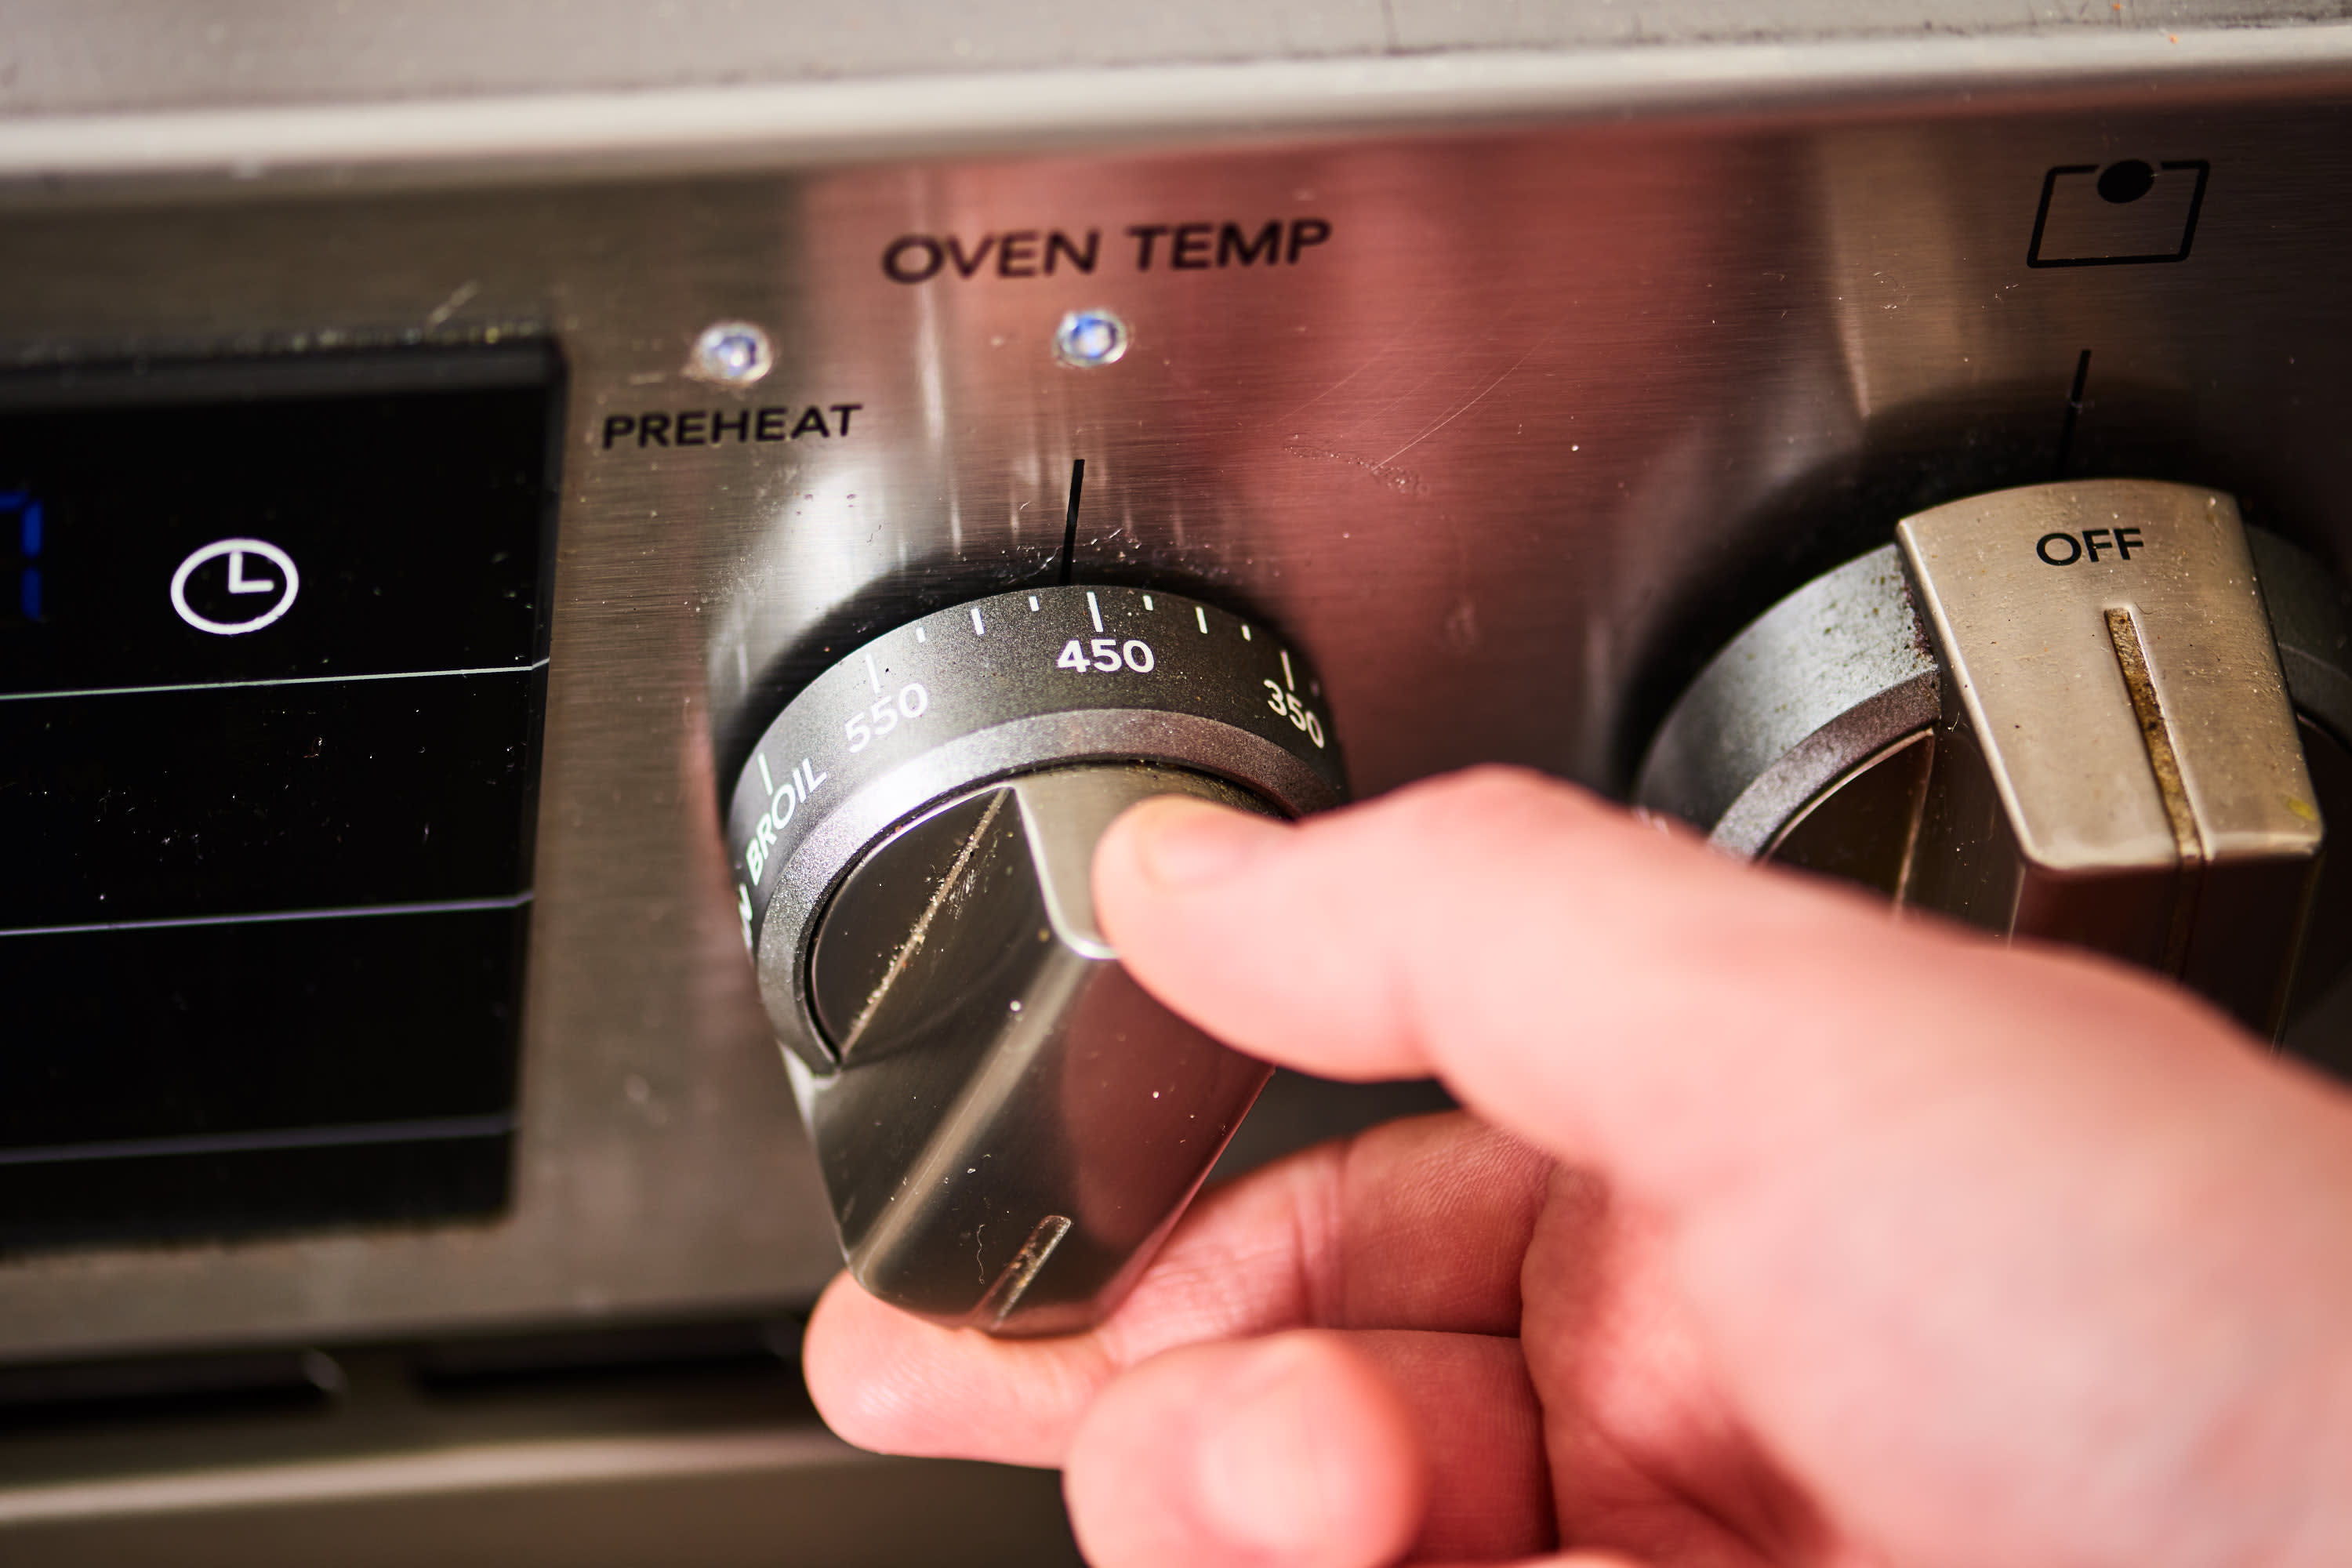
[454,303]
[1402,336]
[1475,398]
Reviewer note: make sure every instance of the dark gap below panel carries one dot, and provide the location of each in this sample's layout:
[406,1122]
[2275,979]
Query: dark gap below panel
[245,1383]
[764,1348]
[748,1364]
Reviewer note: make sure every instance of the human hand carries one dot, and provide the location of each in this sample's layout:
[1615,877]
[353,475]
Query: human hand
[1785,1231]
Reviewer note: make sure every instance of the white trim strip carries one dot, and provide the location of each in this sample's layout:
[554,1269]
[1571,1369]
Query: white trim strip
[428,1130]
[355,911]
[282,680]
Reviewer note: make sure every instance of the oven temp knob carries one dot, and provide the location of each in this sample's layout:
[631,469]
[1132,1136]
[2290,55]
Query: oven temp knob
[2105,713]
[1007,1123]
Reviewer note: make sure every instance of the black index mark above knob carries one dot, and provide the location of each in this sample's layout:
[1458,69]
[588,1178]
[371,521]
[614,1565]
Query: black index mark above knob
[1070,520]
[2074,415]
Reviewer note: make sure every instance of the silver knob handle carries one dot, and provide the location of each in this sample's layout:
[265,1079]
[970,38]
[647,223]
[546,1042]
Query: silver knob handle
[1010,1098]
[1007,1123]
[2116,764]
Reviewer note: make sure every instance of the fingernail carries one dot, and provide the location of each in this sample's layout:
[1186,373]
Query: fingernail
[1257,1468]
[1186,844]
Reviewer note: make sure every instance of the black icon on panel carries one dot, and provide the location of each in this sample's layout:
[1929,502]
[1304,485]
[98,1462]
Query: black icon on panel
[2129,211]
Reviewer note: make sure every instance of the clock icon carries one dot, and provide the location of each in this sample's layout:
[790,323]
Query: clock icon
[242,580]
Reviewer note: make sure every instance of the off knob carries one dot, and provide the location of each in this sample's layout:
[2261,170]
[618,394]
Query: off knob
[2106,713]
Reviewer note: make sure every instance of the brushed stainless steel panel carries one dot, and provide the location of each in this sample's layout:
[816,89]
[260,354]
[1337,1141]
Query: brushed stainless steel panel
[1554,411]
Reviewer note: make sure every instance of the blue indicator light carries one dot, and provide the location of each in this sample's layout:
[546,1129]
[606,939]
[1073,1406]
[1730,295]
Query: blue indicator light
[32,531]
[28,592]
[1086,339]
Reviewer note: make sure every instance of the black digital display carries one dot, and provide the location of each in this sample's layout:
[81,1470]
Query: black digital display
[266,798]
[272,663]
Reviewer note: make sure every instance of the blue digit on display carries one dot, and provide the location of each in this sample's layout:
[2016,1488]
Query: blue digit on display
[29,520]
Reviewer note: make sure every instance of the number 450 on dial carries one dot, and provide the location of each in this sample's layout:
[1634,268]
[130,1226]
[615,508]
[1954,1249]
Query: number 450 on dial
[1105,654]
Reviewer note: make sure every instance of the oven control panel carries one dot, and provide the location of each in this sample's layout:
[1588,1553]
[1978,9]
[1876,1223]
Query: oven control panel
[455,596]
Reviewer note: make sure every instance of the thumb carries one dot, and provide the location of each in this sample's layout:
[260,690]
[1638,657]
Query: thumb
[1291,1452]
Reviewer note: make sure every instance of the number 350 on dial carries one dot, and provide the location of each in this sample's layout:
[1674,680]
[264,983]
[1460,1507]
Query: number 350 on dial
[1301,717]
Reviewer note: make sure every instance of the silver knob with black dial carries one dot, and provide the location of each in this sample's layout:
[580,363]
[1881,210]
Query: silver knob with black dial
[1007,1124]
[2105,713]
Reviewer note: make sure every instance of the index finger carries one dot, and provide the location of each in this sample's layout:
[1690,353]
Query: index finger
[1612,992]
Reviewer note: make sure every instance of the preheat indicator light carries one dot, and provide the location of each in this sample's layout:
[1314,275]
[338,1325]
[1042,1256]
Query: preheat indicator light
[733,353]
